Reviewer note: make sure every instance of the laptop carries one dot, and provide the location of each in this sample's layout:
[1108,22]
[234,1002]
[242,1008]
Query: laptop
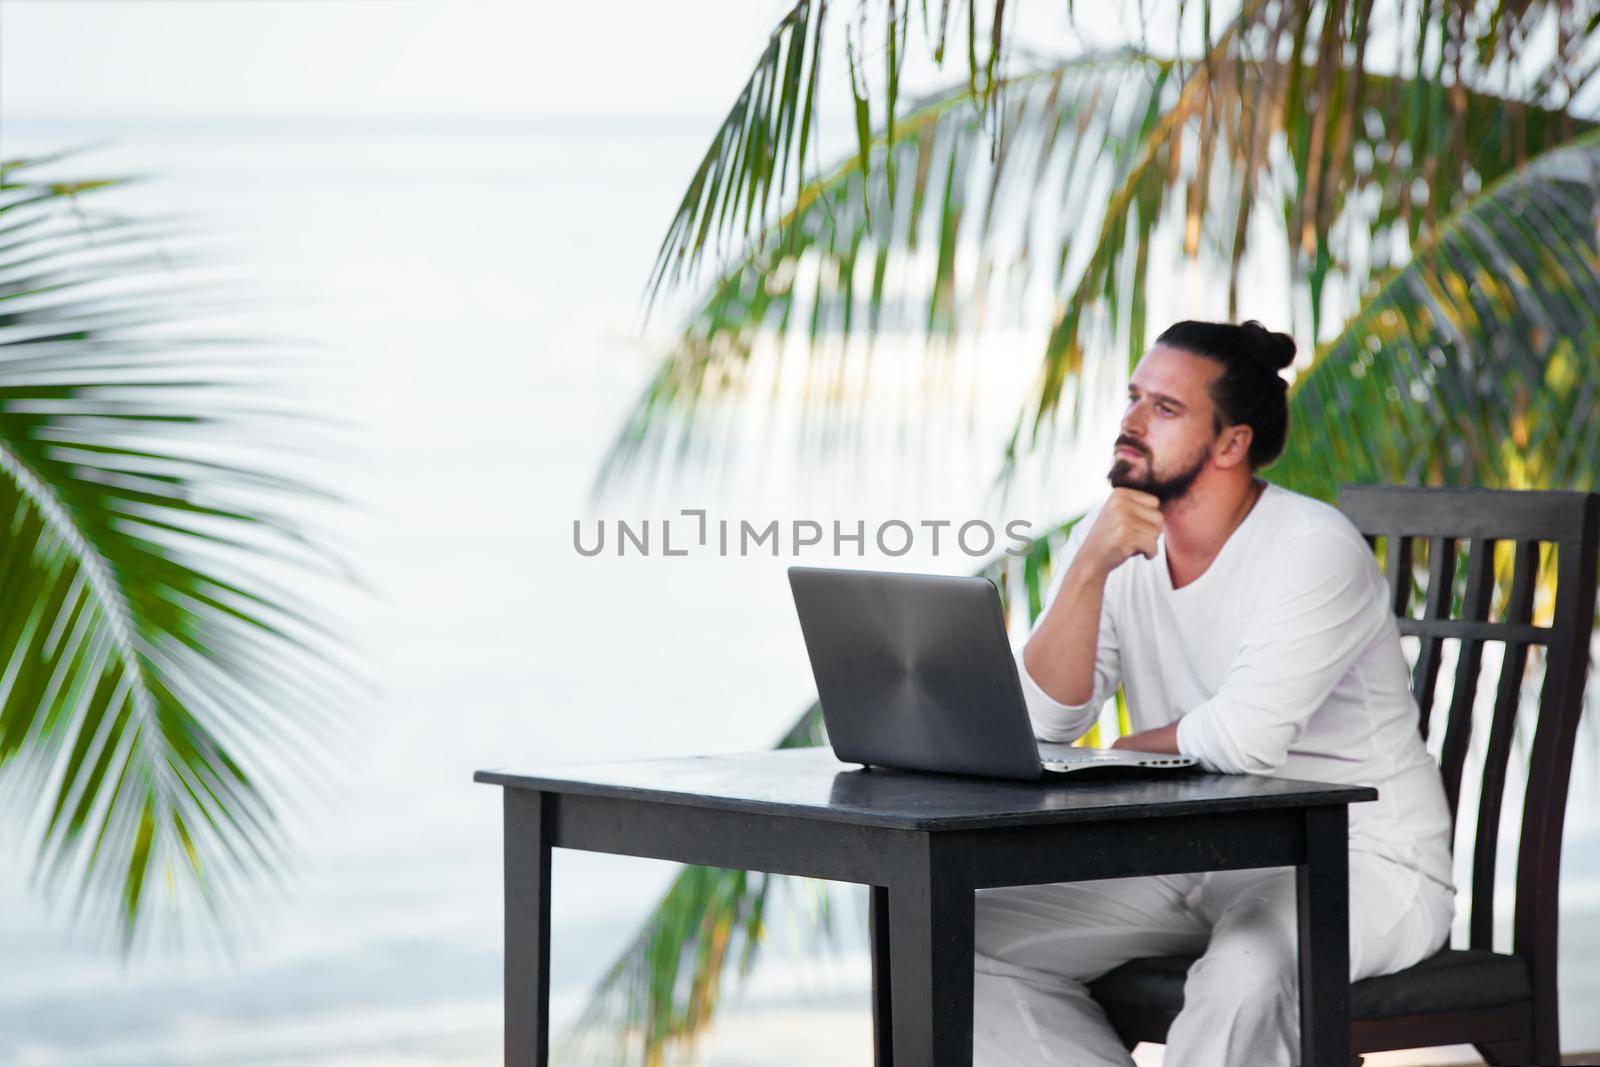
[915,671]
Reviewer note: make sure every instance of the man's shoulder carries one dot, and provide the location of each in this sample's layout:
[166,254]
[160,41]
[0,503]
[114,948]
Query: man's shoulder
[1303,529]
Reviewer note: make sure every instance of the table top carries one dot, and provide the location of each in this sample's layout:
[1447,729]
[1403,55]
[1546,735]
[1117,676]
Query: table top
[811,783]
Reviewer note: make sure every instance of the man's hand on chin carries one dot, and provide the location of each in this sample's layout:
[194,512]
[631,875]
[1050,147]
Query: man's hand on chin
[1163,739]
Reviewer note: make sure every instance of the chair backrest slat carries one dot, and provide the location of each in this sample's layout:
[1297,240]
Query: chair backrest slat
[1469,663]
[1463,699]
[1569,523]
[1502,729]
[1441,581]
[1398,569]
[1550,763]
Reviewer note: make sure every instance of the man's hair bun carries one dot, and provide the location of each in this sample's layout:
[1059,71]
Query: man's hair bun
[1276,350]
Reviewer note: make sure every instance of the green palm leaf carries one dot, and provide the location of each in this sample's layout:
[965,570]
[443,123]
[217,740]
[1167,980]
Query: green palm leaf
[1303,71]
[884,248]
[1477,362]
[763,143]
[1087,186]
[152,668]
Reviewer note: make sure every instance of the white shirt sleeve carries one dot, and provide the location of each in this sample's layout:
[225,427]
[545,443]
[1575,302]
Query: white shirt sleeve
[1323,612]
[1053,720]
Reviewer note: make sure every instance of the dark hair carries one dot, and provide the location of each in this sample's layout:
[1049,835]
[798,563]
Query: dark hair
[1250,390]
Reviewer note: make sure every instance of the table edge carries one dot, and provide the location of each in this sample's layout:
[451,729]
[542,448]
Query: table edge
[1333,795]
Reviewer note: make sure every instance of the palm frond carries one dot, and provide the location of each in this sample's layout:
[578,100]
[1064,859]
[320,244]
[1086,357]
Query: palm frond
[1088,185]
[1358,168]
[664,987]
[1274,147]
[155,676]
[1317,60]
[767,136]
[931,246]
[1477,362]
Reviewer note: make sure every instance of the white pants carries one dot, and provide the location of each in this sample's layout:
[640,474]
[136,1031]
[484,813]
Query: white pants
[1037,946]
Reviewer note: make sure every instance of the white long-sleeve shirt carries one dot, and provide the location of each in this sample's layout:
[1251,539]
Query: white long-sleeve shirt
[1283,658]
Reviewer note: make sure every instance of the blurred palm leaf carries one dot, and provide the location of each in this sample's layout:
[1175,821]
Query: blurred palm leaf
[1101,166]
[666,984]
[960,237]
[763,143]
[1302,72]
[1478,361]
[153,666]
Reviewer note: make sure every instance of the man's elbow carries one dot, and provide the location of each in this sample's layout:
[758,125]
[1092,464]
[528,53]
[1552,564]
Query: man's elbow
[1060,723]
[1262,751]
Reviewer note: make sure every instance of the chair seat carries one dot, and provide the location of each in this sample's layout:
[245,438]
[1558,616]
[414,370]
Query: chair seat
[1452,980]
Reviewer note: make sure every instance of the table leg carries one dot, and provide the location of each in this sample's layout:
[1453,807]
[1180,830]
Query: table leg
[1323,893]
[882,1009]
[931,928]
[527,923]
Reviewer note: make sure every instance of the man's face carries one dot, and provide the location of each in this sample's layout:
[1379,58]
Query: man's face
[1169,425]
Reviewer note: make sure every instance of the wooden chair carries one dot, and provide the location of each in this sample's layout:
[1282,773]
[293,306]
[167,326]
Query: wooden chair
[1503,1003]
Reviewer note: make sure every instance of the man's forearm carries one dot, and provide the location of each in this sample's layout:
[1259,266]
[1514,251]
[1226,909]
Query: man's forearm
[1163,739]
[1060,656]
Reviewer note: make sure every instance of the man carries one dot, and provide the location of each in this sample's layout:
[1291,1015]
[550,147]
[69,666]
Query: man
[1249,628]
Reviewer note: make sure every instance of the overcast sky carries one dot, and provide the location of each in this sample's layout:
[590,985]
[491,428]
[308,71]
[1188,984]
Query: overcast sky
[354,58]
[242,59]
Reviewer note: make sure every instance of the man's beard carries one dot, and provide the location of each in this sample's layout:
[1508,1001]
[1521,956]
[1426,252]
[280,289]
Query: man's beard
[1167,489]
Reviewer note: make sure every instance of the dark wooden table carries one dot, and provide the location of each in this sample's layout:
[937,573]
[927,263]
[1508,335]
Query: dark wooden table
[923,843]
